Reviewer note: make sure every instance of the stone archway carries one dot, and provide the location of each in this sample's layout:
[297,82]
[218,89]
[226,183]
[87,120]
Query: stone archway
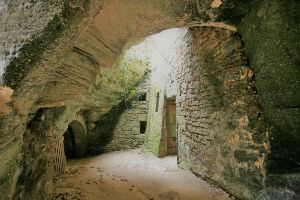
[72,144]
[74,53]
[77,137]
[64,70]
[97,42]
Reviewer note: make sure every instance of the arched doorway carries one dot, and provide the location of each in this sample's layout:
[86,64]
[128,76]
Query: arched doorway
[171,127]
[75,140]
[71,145]
[50,95]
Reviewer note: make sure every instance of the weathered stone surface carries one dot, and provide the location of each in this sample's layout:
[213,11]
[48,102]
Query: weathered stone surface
[26,35]
[271,35]
[119,129]
[56,52]
[218,111]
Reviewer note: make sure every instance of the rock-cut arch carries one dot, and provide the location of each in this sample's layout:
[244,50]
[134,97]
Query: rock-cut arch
[77,136]
[59,61]
[71,144]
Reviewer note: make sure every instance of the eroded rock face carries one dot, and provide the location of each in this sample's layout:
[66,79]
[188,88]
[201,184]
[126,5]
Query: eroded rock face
[62,47]
[273,47]
[28,28]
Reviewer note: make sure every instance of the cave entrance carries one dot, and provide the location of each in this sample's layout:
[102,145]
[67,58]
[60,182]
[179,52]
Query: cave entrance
[171,127]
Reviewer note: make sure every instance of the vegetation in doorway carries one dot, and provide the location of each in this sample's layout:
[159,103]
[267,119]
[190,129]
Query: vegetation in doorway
[118,87]
[134,70]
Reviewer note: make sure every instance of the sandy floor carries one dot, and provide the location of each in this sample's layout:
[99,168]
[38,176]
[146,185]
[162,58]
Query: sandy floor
[132,175]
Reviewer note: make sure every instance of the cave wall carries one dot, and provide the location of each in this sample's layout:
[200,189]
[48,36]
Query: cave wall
[28,28]
[28,32]
[271,34]
[43,152]
[34,175]
[18,25]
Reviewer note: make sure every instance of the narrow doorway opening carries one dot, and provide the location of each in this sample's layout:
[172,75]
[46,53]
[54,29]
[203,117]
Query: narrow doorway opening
[69,143]
[171,127]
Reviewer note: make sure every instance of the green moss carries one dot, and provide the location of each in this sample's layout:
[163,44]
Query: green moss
[252,178]
[234,11]
[6,178]
[103,133]
[272,37]
[152,141]
[285,130]
[154,134]
[31,51]
[225,151]
[243,156]
[115,90]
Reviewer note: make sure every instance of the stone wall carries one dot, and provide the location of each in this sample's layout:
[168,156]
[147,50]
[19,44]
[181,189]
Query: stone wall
[156,110]
[155,120]
[220,124]
[119,129]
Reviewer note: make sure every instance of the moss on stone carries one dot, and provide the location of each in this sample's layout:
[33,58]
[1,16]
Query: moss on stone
[115,91]
[153,141]
[30,52]
[243,156]
[6,178]
[235,10]
[154,133]
[102,134]
[271,35]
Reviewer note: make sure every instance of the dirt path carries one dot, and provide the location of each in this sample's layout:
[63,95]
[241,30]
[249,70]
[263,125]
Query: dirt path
[132,175]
